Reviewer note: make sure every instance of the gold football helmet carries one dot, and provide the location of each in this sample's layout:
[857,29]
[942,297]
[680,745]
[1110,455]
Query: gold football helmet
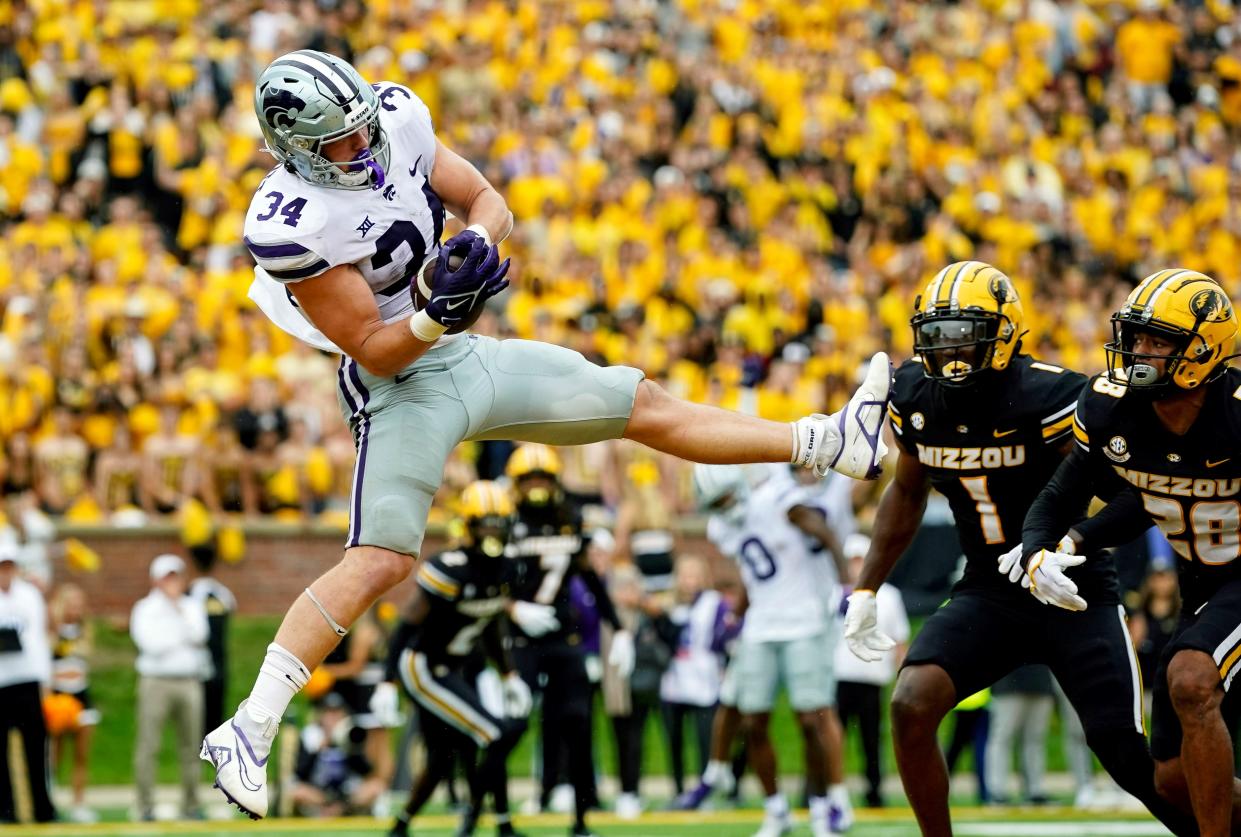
[487,510]
[1185,307]
[533,458]
[967,321]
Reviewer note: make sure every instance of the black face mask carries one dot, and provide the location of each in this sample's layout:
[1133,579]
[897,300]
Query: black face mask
[489,535]
[1137,372]
[956,351]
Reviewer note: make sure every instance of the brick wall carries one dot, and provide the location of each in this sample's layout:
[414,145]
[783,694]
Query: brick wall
[278,565]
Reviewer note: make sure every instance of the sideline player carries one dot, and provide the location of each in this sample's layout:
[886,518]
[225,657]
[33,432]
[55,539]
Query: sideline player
[549,544]
[1162,424]
[339,228]
[987,427]
[778,533]
[458,605]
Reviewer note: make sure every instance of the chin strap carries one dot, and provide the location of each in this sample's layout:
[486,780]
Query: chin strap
[332,623]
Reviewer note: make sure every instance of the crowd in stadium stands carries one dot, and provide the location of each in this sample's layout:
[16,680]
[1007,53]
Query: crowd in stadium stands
[739,197]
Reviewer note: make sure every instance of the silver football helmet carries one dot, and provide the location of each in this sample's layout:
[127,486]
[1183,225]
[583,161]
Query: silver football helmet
[307,99]
[721,490]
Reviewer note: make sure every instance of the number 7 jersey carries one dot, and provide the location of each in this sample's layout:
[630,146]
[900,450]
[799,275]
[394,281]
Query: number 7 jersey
[297,230]
[1190,485]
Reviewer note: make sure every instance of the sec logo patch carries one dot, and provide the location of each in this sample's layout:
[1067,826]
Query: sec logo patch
[918,421]
[1117,449]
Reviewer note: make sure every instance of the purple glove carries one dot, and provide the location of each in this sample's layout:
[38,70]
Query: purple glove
[456,292]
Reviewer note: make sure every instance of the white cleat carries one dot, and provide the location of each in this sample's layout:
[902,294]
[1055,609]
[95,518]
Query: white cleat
[240,772]
[775,826]
[849,441]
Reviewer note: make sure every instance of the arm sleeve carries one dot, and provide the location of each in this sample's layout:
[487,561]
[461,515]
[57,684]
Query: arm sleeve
[1059,505]
[1122,520]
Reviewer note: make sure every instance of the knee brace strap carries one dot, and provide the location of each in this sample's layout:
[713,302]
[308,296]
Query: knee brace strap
[332,623]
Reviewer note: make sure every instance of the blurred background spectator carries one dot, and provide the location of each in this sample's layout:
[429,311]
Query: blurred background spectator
[25,671]
[686,202]
[72,635]
[170,629]
[333,777]
[859,684]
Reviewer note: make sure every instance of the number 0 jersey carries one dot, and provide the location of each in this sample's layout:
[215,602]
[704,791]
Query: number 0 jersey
[789,578]
[296,230]
[466,592]
[1190,485]
[989,449]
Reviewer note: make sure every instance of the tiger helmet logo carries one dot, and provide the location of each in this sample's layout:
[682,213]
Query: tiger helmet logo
[1210,305]
[281,108]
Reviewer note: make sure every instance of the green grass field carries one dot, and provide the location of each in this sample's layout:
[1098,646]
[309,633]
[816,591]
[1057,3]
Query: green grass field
[113,682]
[1049,822]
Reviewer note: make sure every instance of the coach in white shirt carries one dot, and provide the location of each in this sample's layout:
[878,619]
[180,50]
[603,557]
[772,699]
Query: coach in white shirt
[25,670]
[170,630]
[859,684]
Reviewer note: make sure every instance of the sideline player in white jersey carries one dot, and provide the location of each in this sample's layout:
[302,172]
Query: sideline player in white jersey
[791,564]
[339,228]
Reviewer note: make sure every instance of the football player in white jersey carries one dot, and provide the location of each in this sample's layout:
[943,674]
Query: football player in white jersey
[340,228]
[778,532]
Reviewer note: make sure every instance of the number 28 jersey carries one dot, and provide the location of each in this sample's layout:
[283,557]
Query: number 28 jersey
[989,449]
[789,578]
[1190,485]
[297,230]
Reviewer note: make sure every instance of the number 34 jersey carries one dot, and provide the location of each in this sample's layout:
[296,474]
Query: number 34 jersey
[296,230]
[1190,485]
[989,449]
[789,577]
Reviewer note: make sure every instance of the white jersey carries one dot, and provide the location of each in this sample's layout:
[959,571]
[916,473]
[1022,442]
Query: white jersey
[296,230]
[789,577]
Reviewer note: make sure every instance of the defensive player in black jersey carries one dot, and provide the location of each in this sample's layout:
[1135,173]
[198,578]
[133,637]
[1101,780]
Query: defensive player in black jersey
[987,427]
[1163,424]
[459,604]
[548,541]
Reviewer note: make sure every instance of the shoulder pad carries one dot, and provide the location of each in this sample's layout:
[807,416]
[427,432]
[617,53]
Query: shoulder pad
[1053,392]
[908,382]
[441,574]
[405,116]
[1099,400]
[284,228]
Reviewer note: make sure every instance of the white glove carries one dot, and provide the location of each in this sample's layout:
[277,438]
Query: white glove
[1010,565]
[862,632]
[517,699]
[385,705]
[621,655]
[1049,584]
[535,619]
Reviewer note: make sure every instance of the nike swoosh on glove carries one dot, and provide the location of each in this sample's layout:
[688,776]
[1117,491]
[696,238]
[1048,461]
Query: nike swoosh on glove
[1048,582]
[480,276]
[862,633]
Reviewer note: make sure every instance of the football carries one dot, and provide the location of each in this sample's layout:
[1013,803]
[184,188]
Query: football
[422,286]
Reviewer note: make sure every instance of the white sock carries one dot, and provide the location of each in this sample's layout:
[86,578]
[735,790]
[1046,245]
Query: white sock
[776,805]
[818,807]
[839,795]
[814,437]
[717,772]
[280,677]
